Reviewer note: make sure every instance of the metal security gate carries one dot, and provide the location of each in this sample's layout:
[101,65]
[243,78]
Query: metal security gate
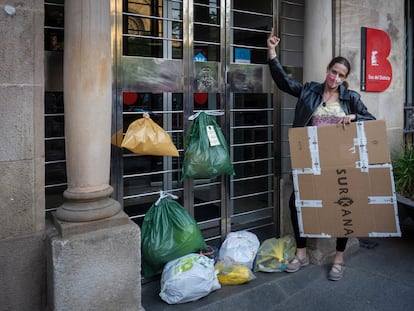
[173,58]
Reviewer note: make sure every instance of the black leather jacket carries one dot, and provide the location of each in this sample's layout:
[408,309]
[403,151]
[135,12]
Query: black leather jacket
[310,96]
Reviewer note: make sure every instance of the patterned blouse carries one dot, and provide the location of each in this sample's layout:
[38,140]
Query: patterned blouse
[327,114]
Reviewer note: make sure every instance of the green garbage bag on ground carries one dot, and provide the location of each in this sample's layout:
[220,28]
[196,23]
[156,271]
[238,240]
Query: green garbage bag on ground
[205,148]
[168,232]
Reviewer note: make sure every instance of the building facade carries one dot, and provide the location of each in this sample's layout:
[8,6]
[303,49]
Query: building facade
[75,74]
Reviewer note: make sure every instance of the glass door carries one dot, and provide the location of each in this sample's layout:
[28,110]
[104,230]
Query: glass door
[149,78]
[173,58]
[253,124]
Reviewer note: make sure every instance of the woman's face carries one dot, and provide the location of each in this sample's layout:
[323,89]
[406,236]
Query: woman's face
[336,75]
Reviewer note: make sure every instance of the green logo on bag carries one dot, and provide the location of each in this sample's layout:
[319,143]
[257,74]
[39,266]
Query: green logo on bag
[187,263]
[184,265]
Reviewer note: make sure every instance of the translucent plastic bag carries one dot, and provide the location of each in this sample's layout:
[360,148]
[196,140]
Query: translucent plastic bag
[232,273]
[188,278]
[241,247]
[168,232]
[144,136]
[274,254]
[206,154]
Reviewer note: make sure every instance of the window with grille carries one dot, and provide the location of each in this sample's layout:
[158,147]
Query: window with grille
[55,163]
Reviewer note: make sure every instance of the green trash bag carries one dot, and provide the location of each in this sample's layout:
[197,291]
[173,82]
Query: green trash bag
[168,232]
[274,254]
[205,149]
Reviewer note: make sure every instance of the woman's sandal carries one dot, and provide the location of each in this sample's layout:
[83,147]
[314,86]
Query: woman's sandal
[297,263]
[336,272]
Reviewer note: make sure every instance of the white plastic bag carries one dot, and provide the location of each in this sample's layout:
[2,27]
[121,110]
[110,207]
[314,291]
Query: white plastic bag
[188,278]
[241,247]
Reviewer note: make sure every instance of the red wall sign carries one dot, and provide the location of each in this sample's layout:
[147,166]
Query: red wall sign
[376,70]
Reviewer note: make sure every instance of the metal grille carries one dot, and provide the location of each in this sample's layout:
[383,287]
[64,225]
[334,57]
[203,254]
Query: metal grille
[198,39]
[55,162]
[291,31]
[158,79]
[253,203]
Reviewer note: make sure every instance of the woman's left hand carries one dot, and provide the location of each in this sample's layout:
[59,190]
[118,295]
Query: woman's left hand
[347,119]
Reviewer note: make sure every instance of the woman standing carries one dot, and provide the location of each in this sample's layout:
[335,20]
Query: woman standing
[330,102]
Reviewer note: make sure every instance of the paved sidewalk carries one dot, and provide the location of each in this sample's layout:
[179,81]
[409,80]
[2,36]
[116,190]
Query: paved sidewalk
[379,276]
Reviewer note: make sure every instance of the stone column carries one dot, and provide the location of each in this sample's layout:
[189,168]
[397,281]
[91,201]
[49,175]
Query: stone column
[318,39]
[94,253]
[318,49]
[87,97]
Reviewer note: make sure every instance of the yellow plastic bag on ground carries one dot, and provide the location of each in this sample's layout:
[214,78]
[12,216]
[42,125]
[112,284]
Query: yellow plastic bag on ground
[144,136]
[274,254]
[232,273]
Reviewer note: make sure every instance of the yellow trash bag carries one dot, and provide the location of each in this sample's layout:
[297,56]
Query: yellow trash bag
[232,273]
[274,254]
[144,136]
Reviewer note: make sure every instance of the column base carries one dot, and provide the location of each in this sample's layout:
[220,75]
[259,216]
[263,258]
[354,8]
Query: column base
[66,228]
[95,270]
[84,211]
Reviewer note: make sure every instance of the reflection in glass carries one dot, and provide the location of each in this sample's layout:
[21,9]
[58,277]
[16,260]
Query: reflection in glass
[141,102]
[55,166]
[206,33]
[53,25]
[152,75]
[55,173]
[255,162]
[246,78]
[210,52]
[143,47]
[148,26]
[252,118]
[206,200]
[54,15]
[206,77]
[207,29]
[144,177]
[53,102]
[252,153]
[54,126]
[252,22]
[55,150]
[253,6]
[54,196]
[207,14]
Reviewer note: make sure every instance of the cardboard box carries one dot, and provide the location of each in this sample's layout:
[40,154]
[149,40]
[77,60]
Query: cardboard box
[343,181]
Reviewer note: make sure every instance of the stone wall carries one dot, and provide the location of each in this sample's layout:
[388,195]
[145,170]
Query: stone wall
[21,119]
[22,218]
[388,16]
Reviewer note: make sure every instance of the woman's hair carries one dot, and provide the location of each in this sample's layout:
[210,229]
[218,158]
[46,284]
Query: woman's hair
[343,61]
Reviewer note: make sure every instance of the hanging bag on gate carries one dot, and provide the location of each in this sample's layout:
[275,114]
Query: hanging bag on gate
[205,148]
[144,136]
